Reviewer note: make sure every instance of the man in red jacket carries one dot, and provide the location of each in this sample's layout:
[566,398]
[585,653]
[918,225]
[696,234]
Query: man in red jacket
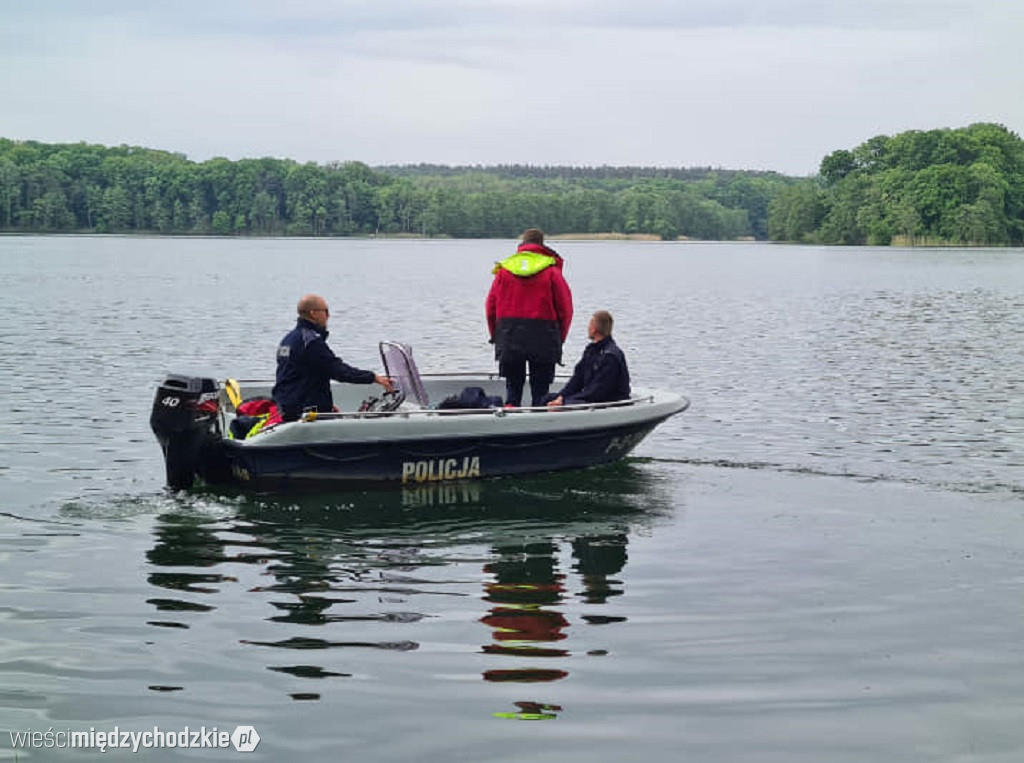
[529,309]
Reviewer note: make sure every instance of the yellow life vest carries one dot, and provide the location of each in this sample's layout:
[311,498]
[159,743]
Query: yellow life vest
[525,264]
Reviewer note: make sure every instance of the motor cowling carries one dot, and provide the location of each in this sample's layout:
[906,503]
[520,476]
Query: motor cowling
[185,422]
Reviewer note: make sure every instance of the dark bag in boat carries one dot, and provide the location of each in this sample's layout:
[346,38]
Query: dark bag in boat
[242,425]
[470,397]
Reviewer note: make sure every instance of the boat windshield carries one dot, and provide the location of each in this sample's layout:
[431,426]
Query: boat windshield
[400,366]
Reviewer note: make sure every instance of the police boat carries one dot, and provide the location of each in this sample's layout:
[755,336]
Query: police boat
[423,432]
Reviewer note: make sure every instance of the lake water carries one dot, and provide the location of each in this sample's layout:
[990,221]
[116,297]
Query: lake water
[821,560]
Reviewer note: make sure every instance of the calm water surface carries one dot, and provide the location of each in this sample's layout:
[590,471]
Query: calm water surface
[819,561]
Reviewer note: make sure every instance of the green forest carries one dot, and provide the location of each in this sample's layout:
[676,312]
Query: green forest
[951,186]
[935,187]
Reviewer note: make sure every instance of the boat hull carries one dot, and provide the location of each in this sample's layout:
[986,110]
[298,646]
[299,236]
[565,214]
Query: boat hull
[410,445]
[417,462]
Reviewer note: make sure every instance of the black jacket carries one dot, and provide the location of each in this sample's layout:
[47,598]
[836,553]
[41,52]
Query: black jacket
[601,376]
[305,367]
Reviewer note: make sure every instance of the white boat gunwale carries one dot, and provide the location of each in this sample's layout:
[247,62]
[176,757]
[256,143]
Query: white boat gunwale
[431,423]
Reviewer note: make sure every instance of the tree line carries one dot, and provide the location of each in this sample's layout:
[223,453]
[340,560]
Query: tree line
[949,186]
[127,189]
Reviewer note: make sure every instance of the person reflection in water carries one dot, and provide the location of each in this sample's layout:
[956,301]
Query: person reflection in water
[526,589]
[598,557]
[526,582]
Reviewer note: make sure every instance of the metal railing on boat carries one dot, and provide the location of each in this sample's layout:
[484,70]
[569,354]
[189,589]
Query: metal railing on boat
[430,411]
[497,412]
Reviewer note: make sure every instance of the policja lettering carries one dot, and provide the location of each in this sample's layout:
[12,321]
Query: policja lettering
[437,469]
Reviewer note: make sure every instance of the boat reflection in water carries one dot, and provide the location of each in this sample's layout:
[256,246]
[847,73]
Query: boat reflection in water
[346,572]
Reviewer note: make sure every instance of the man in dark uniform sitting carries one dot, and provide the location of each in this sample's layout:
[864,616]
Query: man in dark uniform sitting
[602,375]
[306,365]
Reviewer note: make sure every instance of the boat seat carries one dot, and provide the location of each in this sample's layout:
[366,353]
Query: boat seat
[400,366]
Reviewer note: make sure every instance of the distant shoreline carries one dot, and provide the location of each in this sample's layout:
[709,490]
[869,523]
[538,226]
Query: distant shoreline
[898,242]
[387,236]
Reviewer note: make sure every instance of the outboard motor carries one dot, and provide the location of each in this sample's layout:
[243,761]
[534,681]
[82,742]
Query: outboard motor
[185,422]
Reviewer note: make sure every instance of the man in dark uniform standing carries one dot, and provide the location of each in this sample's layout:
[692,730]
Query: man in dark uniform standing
[306,365]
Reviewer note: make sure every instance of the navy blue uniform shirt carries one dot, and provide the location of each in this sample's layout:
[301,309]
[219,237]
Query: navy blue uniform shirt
[305,367]
[601,376]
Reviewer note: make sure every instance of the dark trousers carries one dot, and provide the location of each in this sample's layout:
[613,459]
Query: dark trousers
[513,368]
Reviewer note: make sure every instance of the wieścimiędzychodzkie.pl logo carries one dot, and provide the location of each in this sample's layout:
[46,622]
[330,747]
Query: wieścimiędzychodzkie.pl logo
[244,739]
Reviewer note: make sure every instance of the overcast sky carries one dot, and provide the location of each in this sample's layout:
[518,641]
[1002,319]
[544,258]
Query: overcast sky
[738,84]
